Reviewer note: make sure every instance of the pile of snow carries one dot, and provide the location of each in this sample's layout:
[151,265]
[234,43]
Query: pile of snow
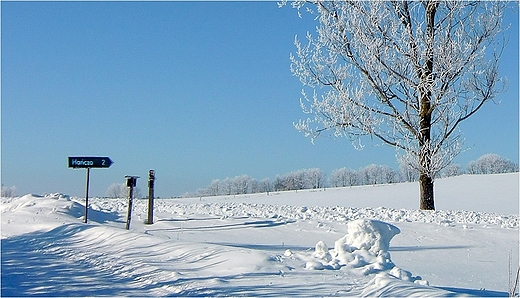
[364,250]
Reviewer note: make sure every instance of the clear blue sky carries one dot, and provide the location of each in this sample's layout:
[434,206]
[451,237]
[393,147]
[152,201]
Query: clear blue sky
[194,90]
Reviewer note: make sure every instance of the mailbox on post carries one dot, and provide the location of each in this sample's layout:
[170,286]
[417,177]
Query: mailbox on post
[131,182]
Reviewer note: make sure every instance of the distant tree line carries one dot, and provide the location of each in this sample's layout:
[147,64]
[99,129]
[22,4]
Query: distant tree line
[314,178]
[370,175]
[302,179]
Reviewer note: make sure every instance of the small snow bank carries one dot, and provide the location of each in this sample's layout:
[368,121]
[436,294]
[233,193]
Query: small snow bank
[364,250]
[31,213]
[388,285]
[35,212]
[35,203]
[449,218]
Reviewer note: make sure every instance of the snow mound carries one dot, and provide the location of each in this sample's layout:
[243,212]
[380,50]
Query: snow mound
[32,212]
[49,202]
[372,235]
[364,250]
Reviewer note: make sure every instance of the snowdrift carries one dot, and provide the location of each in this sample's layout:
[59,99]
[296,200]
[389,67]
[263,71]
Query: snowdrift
[233,248]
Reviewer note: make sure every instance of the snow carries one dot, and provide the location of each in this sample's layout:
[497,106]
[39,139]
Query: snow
[334,242]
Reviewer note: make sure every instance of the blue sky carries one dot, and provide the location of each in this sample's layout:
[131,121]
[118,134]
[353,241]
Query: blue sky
[193,90]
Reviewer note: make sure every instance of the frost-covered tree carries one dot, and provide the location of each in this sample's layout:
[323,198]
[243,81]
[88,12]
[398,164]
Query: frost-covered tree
[120,190]
[388,175]
[452,170]
[227,186]
[242,184]
[8,191]
[294,180]
[491,164]
[117,190]
[278,183]
[404,72]
[253,188]
[315,178]
[264,185]
[377,174]
[343,177]
[214,189]
[369,175]
[408,173]
[301,179]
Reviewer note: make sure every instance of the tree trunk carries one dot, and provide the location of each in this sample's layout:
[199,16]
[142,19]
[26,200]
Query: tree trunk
[425,156]
[426,189]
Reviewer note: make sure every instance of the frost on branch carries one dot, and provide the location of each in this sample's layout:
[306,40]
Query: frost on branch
[438,157]
[406,73]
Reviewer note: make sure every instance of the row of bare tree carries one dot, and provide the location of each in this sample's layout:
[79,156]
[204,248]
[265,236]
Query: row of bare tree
[370,175]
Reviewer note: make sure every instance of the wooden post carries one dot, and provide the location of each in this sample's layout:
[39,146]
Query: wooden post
[129,213]
[86,196]
[151,180]
[131,182]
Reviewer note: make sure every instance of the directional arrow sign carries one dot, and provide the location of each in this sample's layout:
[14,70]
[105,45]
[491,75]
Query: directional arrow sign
[90,162]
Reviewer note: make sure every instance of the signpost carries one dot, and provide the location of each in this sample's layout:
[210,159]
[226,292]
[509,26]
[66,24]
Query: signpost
[88,163]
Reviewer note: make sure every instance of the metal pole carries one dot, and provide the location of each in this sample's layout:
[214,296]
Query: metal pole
[86,196]
[129,214]
[151,179]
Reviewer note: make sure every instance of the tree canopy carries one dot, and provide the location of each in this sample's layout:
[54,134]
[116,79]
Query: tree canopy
[404,72]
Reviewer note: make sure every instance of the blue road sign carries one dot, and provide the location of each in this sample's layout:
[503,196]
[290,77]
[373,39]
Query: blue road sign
[90,162]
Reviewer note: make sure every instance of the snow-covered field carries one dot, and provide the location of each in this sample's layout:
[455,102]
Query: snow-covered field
[359,241]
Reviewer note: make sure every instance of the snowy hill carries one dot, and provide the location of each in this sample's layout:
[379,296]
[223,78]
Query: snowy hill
[487,193]
[359,241]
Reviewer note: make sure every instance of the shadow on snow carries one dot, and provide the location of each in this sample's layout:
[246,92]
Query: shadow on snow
[40,264]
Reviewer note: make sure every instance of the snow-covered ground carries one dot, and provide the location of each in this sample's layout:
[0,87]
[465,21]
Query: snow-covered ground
[359,241]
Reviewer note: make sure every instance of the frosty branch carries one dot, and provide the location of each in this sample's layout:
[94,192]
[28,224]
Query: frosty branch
[405,72]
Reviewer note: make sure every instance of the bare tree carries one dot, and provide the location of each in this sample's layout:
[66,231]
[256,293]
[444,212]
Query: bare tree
[117,190]
[452,170]
[227,186]
[278,183]
[214,189]
[404,72]
[491,164]
[343,177]
[302,179]
[242,184]
[8,192]
[315,178]
[388,175]
[408,174]
[369,175]
[264,185]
